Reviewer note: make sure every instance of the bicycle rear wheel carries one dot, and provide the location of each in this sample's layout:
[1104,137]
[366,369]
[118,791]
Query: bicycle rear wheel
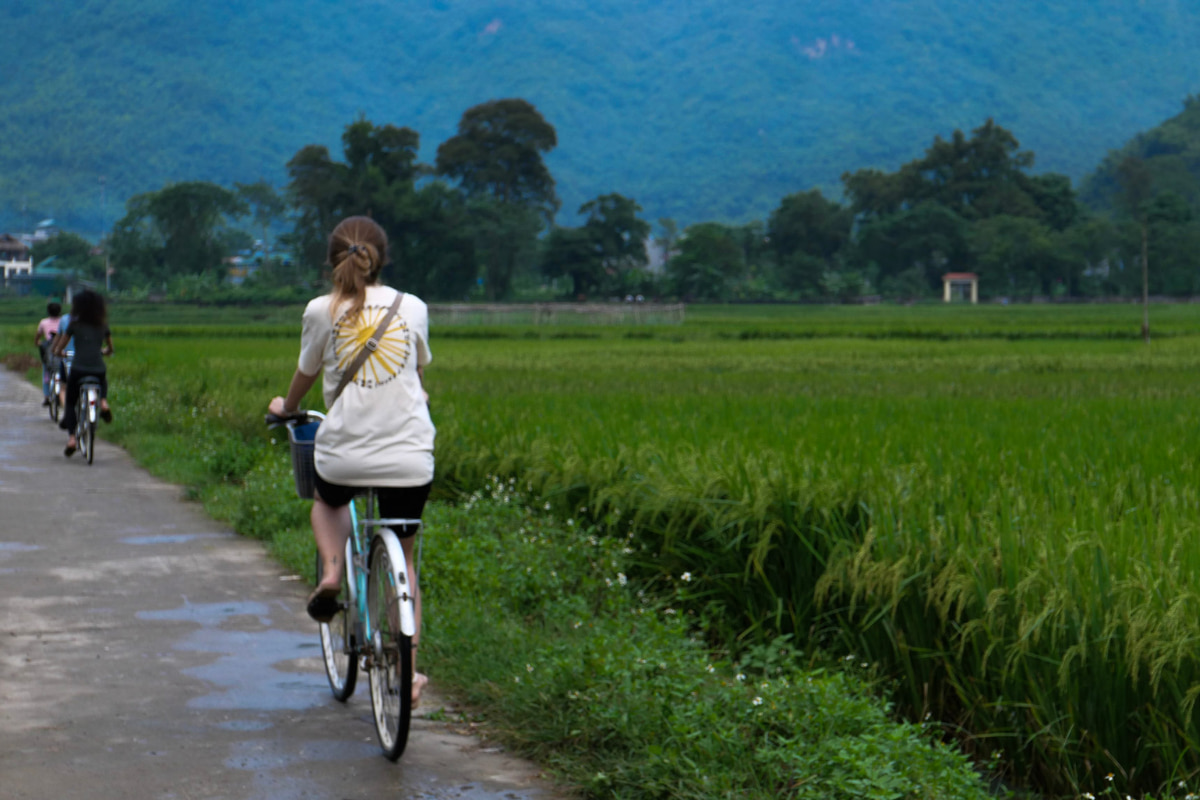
[391,662]
[81,428]
[338,644]
[54,407]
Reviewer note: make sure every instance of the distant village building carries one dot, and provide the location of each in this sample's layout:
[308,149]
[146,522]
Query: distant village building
[46,229]
[960,286]
[14,258]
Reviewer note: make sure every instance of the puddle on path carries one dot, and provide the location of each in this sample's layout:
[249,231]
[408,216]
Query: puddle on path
[169,538]
[273,762]
[245,725]
[7,549]
[18,547]
[245,671]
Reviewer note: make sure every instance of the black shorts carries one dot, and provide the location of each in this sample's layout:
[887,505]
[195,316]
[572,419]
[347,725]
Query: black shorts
[395,502]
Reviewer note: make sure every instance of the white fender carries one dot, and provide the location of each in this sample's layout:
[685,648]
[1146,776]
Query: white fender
[351,575]
[408,617]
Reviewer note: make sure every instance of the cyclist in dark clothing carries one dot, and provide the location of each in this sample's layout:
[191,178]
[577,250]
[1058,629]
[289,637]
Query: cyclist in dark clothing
[88,326]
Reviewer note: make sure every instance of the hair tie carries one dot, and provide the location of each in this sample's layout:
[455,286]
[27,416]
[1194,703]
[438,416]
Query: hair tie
[352,249]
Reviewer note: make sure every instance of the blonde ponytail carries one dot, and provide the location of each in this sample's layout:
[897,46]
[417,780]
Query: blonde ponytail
[357,253]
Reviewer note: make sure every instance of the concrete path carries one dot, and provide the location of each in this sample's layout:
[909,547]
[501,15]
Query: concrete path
[147,652]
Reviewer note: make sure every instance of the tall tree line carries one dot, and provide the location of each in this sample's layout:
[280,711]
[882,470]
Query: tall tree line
[481,222]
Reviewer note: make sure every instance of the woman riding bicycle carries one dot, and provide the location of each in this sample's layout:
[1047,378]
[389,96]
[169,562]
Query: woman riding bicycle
[46,331]
[378,432]
[88,328]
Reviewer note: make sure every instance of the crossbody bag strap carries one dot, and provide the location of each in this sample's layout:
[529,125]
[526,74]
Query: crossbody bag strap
[368,348]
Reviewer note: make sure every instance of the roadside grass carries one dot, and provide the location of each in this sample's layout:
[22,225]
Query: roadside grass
[605,680]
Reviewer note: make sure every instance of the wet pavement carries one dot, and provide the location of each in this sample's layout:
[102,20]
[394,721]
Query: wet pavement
[146,652]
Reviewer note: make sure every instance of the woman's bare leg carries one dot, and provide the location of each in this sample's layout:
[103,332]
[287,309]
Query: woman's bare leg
[331,529]
[408,544]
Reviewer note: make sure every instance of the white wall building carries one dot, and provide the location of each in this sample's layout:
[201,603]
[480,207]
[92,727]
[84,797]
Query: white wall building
[14,257]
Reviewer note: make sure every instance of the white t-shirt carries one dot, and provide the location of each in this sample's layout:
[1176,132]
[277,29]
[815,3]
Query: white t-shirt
[378,432]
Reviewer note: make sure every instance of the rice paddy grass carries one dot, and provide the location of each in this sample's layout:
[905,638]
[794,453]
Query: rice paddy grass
[996,507]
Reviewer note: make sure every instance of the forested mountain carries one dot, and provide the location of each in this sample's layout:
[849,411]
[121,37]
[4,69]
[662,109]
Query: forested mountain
[1171,152]
[699,110]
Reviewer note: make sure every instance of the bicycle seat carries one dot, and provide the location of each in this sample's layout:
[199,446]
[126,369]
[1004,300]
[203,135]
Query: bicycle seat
[89,379]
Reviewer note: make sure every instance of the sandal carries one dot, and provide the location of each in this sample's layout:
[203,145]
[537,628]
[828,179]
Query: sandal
[106,414]
[323,604]
[69,450]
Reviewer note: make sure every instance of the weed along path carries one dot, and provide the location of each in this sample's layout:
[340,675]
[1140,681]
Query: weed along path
[146,652]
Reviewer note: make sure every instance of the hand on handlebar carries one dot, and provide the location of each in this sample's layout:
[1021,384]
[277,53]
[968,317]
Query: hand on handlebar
[275,407]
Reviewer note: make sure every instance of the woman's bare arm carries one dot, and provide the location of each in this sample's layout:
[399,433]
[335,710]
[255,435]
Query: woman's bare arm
[299,387]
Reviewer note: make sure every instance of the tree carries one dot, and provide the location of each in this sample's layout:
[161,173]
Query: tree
[976,177]
[1019,255]
[381,170]
[316,187]
[265,204]
[434,247]
[498,152]
[667,238]
[505,236]
[709,261]
[604,255]
[187,221]
[71,253]
[928,237]
[1136,186]
[571,253]
[136,250]
[377,179]
[807,232]
[617,233]
[1173,240]
[496,160]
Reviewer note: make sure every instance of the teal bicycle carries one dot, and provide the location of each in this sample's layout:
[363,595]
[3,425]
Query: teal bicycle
[375,623]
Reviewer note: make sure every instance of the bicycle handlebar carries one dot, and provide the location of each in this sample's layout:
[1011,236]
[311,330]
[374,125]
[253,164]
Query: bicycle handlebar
[274,421]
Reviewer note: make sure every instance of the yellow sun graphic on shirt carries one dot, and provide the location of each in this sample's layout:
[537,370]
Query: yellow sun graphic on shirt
[389,358]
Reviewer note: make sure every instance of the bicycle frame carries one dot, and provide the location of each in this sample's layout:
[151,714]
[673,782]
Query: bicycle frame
[358,549]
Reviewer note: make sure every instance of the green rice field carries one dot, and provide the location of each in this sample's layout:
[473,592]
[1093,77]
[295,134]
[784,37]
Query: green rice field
[996,508]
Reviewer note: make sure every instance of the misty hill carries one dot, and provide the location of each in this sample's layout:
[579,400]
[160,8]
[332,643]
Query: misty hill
[1172,154]
[700,109]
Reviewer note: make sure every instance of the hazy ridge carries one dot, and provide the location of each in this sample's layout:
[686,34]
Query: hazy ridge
[700,110]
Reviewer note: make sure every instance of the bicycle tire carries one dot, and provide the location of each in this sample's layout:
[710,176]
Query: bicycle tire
[81,441]
[338,646]
[391,672]
[84,436]
[90,438]
[54,408]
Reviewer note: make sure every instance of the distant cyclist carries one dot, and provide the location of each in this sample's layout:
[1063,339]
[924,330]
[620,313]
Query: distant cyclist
[64,361]
[378,432]
[88,329]
[47,329]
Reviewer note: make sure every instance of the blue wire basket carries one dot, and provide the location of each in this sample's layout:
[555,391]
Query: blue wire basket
[302,439]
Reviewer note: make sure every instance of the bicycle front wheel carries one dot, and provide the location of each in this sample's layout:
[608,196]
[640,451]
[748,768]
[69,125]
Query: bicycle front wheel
[391,661]
[54,388]
[338,644]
